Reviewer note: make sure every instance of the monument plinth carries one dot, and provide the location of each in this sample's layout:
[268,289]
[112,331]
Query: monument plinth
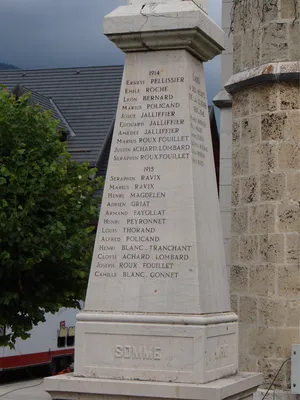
[157,306]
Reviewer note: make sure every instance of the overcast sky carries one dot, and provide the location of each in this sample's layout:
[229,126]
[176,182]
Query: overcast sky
[69,33]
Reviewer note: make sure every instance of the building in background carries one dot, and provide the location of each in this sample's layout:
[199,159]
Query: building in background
[224,103]
[84,100]
[260,182]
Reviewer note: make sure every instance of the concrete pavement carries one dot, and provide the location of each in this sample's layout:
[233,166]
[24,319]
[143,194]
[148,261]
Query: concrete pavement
[26,390]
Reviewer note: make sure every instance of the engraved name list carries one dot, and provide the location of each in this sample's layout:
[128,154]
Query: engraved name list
[154,135]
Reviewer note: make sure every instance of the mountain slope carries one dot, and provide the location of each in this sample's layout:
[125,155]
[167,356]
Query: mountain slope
[7,66]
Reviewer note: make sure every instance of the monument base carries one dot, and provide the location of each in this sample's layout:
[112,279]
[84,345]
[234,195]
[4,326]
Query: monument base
[161,348]
[68,387]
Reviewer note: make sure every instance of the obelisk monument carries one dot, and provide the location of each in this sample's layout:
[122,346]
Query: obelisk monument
[157,311]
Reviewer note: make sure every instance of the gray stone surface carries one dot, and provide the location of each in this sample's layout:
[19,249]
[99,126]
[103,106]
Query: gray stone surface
[152,254]
[25,390]
[68,387]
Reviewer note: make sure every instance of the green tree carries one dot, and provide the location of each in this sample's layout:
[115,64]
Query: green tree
[47,203]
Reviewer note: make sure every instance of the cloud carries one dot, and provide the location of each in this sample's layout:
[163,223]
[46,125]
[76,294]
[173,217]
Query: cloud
[68,33]
[53,33]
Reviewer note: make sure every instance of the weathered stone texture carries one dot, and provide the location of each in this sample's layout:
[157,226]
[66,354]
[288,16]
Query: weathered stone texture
[289,156]
[288,281]
[293,186]
[263,157]
[290,96]
[250,189]
[237,53]
[239,223]
[262,280]
[289,218]
[272,248]
[239,278]
[265,277]
[294,34]
[248,310]
[261,341]
[272,312]
[293,248]
[241,104]
[247,362]
[275,43]
[293,314]
[287,9]
[255,158]
[235,249]
[292,131]
[268,366]
[249,248]
[250,131]
[272,186]
[264,98]
[240,161]
[250,49]
[265,35]
[236,132]
[266,193]
[283,340]
[235,188]
[262,218]
[272,125]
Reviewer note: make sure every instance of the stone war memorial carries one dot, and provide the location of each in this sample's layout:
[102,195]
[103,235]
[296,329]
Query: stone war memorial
[157,321]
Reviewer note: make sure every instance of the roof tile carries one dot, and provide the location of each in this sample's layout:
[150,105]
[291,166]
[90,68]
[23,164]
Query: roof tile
[87,98]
